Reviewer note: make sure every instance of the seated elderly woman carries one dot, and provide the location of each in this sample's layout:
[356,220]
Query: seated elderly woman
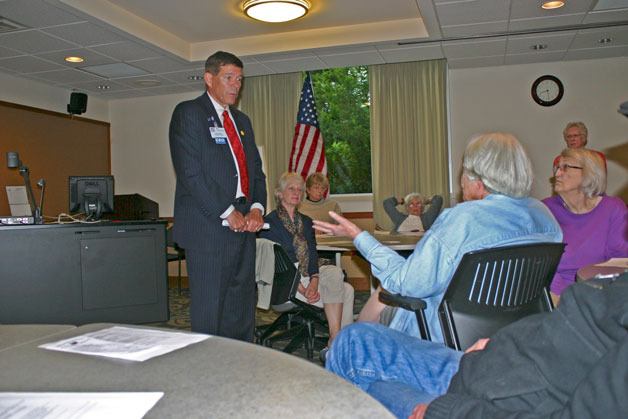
[322,286]
[496,182]
[594,225]
[316,205]
[414,219]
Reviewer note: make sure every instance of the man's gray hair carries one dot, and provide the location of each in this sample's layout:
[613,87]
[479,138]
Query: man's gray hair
[593,170]
[580,125]
[500,162]
[284,180]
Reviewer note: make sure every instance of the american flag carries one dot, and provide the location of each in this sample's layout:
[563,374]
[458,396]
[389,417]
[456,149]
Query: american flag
[308,151]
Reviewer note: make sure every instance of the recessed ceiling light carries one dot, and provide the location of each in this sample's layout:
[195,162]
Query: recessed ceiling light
[605,40]
[74,59]
[538,47]
[104,87]
[195,77]
[275,11]
[549,5]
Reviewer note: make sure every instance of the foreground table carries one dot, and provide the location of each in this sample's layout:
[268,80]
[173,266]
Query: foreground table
[215,378]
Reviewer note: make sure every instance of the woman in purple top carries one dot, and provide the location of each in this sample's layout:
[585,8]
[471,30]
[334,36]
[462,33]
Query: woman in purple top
[594,225]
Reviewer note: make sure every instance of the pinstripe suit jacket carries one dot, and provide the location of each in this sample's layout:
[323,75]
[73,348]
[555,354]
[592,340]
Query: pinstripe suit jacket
[207,175]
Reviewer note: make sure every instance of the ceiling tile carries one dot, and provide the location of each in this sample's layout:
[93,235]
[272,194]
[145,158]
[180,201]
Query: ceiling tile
[93,86]
[594,53]
[468,49]
[555,42]
[85,34]
[141,82]
[7,52]
[126,51]
[522,9]
[35,13]
[161,65]
[539,57]
[182,77]
[33,41]
[498,26]
[28,64]
[545,22]
[471,11]
[607,16]
[115,70]
[404,53]
[66,76]
[90,57]
[590,38]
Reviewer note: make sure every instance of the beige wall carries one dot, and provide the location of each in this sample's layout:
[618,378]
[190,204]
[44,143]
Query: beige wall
[498,98]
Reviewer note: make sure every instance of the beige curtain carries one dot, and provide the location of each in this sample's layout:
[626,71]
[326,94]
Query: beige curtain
[272,103]
[408,132]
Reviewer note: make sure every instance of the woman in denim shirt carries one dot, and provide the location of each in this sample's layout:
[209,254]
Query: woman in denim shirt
[496,182]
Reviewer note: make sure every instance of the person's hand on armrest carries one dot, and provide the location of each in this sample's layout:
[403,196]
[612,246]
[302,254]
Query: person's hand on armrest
[343,228]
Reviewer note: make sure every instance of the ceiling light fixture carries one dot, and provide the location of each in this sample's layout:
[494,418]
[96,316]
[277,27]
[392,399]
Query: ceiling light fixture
[276,10]
[195,77]
[74,59]
[549,5]
[605,41]
[538,47]
[104,87]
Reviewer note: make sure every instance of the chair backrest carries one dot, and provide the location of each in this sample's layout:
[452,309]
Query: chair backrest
[286,275]
[492,288]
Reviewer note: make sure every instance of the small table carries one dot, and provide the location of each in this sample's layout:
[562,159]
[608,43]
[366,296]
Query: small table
[215,378]
[614,267]
[403,244]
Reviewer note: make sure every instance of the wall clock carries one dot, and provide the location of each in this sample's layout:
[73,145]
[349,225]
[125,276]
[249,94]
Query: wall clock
[547,90]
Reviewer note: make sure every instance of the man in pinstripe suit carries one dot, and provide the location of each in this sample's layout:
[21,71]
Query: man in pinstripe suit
[219,200]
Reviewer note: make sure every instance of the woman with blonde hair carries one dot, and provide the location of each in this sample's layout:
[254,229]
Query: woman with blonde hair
[322,286]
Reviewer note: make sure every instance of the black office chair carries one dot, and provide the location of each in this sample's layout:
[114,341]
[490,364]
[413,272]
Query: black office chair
[490,289]
[300,323]
[174,253]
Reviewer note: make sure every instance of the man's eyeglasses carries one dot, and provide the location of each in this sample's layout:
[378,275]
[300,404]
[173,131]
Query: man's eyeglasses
[564,167]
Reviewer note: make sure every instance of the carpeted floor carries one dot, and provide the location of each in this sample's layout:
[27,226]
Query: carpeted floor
[180,315]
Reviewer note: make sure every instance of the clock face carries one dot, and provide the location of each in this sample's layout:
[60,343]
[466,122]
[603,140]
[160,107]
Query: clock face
[547,90]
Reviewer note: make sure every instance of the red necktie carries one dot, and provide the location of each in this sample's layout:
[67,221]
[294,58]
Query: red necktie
[236,146]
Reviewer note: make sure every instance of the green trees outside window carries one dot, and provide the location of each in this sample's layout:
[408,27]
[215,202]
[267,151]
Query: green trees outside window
[343,101]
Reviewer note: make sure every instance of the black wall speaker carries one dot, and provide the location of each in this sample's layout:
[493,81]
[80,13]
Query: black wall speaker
[78,103]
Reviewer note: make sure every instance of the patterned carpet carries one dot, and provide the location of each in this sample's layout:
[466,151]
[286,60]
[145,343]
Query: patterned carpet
[180,314]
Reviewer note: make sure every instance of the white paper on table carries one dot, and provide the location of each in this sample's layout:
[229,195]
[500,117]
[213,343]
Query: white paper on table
[615,263]
[126,343]
[77,405]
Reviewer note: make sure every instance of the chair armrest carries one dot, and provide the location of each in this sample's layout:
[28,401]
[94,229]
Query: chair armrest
[398,300]
[417,305]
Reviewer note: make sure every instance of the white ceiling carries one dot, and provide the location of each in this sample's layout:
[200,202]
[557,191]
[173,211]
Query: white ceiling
[151,47]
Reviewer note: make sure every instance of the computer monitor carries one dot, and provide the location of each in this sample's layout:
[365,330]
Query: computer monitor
[92,195]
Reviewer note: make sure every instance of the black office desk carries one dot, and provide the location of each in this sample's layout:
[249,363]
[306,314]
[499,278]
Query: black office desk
[84,273]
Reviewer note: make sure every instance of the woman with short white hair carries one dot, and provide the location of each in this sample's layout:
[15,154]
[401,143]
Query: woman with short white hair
[496,182]
[415,217]
[323,286]
[594,225]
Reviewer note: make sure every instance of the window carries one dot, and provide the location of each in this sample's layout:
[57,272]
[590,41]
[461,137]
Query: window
[343,103]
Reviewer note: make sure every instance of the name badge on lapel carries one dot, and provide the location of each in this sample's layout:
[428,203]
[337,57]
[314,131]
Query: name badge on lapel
[218,134]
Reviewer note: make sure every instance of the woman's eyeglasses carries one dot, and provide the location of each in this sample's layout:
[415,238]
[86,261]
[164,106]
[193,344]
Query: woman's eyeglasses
[564,167]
